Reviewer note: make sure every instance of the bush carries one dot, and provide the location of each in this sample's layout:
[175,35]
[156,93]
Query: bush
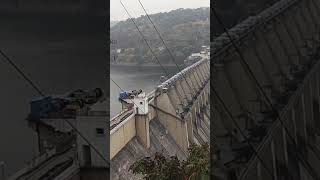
[196,166]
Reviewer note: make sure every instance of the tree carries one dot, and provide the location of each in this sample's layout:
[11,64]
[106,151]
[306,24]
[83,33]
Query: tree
[168,168]
[197,162]
[178,29]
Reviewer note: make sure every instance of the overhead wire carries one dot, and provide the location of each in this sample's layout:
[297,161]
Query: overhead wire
[145,40]
[163,42]
[123,91]
[241,131]
[239,128]
[37,89]
[243,61]
[220,100]
[33,85]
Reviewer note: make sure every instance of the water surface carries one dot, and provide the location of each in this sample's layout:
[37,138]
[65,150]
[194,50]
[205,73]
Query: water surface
[59,55]
[134,77]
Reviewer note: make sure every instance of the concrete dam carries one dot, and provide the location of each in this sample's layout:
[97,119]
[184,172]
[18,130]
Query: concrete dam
[70,128]
[266,93]
[176,114]
[73,129]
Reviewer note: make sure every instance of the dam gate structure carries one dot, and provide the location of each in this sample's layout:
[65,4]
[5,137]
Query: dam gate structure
[265,95]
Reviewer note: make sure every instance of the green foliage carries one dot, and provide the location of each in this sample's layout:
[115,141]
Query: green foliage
[159,168]
[163,168]
[198,160]
[184,31]
[112,23]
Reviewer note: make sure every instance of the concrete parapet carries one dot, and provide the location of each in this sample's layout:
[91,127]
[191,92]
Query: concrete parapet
[174,106]
[121,135]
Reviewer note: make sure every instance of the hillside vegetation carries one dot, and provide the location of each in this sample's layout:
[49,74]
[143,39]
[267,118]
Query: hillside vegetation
[113,23]
[184,31]
[233,12]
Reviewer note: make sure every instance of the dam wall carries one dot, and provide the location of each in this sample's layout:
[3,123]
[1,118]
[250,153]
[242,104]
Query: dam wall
[172,123]
[266,72]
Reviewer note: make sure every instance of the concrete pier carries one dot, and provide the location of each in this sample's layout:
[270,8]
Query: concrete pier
[270,91]
[171,124]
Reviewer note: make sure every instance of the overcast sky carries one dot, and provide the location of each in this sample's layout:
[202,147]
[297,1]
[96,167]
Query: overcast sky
[152,6]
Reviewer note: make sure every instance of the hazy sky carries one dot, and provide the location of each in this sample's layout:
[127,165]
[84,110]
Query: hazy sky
[152,6]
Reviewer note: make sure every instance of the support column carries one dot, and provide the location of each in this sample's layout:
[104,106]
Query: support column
[274,161]
[295,129]
[264,68]
[285,147]
[190,127]
[311,98]
[303,101]
[201,79]
[318,87]
[202,99]
[188,90]
[276,58]
[281,44]
[2,171]
[143,129]
[200,73]
[190,81]
[207,67]
[182,92]
[174,99]
[195,80]
[203,73]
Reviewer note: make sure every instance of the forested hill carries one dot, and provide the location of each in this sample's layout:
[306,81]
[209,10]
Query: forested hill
[184,31]
[112,23]
[232,12]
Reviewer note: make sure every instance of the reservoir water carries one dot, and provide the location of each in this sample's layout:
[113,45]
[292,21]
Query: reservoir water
[59,55]
[134,77]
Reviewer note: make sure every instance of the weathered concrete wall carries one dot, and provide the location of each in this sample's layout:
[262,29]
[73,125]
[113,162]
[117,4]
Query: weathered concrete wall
[179,100]
[173,122]
[60,131]
[132,126]
[278,139]
[143,129]
[160,141]
[168,106]
[277,63]
[122,135]
[88,127]
[92,174]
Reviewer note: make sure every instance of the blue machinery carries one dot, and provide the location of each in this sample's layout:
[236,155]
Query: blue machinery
[43,106]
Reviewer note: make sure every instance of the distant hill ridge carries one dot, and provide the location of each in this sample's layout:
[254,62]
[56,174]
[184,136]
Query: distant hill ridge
[184,30]
[112,23]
